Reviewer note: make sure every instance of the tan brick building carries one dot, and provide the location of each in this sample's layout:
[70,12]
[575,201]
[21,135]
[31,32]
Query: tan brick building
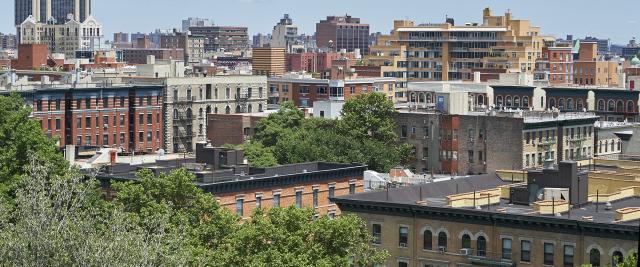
[268,61]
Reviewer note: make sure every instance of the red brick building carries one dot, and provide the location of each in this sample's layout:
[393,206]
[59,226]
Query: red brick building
[233,129]
[343,32]
[31,56]
[313,61]
[139,55]
[130,118]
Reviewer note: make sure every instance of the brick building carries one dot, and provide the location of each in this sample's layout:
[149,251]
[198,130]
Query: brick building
[313,61]
[233,129]
[127,117]
[268,61]
[139,55]
[342,32]
[31,56]
[241,188]
[554,218]
[222,38]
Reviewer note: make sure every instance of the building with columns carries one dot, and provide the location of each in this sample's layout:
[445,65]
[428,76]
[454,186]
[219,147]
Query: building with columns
[52,10]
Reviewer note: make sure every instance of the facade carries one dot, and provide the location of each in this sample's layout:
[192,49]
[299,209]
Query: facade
[590,70]
[313,62]
[189,100]
[284,34]
[121,37]
[195,22]
[139,55]
[304,90]
[52,10]
[261,40]
[127,117]
[31,56]
[268,61]
[480,143]
[8,41]
[192,45]
[485,221]
[560,65]
[235,129]
[222,38]
[442,52]
[342,32]
[242,188]
[64,38]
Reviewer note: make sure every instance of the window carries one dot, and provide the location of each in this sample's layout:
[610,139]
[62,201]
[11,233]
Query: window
[568,255]
[594,257]
[442,241]
[616,258]
[140,137]
[298,199]
[122,138]
[470,156]
[426,132]
[122,101]
[57,104]
[466,241]
[149,136]
[140,118]
[57,124]
[377,233]
[315,197]
[240,207]
[149,118]
[121,120]
[481,246]
[352,188]
[332,189]
[506,248]
[403,131]
[402,264]
[425,153]
[427,243]
[276,200]
[548,253]
[105,139]
[403,237]
[525,251]
[79,123]
[258,201]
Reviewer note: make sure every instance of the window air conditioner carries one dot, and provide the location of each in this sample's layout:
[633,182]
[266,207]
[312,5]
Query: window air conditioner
[403,245]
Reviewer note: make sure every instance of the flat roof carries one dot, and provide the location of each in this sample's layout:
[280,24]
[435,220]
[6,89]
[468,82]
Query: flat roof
[453,29]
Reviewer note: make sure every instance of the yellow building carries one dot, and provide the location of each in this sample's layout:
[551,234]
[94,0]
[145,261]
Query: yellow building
[268,61]
[442,52]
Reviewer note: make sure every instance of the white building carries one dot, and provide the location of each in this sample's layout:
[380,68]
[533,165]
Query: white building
[64,38]
[284,34]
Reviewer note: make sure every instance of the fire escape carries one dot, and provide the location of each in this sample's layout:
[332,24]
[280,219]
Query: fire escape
[183,123]
[242,100]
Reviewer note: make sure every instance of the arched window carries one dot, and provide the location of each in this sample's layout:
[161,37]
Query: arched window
[594,257]
[569,103]
[442,241]
[227,110]
[552,102]
[561,104]
[427,240]
[580,105]
[209,110]
[200,129]
[175,113]
[620,106]
[421,98]
[516,101]
[508,101]
[480,100]
[249,108]
[259,107]
[466,241]
[175,95]
[413,97]
[429,98]
[215,110]
[611,106]
[481,246]
[227,94]
[189,114]
[616,258]
[238,109]
[525,101]
[238,92]
[630,107]
[499,101]
[200,112]
[601,105]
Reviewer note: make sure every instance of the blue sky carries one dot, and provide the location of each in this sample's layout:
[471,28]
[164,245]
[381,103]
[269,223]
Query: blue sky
[618,20]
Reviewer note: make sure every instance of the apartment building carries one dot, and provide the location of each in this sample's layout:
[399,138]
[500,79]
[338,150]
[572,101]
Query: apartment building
[222,38]
[483,143]
[242,188]
[55,11]
[140,55]
[304,90]
[65,38]
[342,32]
[554,218]
[192,45]
[284,34]
[189,100]
[128,118]
[591,70]
[234,129]
[560,65]
[442,52]
[313,62]
[268,61]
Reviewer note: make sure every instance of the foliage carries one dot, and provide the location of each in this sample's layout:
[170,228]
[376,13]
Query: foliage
[20,138]
[62,221]
[629,261]
[364,134]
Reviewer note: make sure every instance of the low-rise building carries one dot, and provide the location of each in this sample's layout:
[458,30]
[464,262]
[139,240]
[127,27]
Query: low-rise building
[558,217]
[234,129]
[268,61]
[139,55]
[242,188]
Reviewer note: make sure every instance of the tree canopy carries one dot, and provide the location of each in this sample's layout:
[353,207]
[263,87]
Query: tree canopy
[365,133]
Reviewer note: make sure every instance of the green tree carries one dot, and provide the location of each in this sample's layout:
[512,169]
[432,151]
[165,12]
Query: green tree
[21,137]
[259,155]
[282,123]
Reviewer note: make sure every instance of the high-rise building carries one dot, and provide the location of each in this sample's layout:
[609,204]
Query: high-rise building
[260,40]
[343,32]
[195,22]
[52,10]
[8,41]
[284,33]
[121,37]
[193,45]
[268,61]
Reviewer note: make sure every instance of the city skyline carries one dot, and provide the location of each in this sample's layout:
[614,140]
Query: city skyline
[566,17]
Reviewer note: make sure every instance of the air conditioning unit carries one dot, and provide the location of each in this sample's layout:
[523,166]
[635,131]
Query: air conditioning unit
[403,245]
[105,126]
[442,249]
[471,140]
[465,251]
